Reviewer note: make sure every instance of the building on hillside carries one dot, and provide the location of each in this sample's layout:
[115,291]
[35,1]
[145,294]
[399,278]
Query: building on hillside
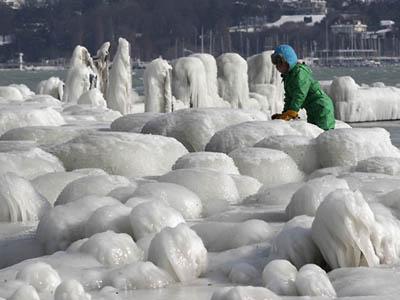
[301,7]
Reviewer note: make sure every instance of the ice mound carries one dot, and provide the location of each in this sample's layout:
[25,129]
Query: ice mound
[344,230]
[194,128]
[279,276]
[44,101]
[212,160]
[270,167]
[354,103]
[265,79]
[189,83]
[25,292]
[112,217]
[112,249]
[99,185]
[295,243]
[124,193]
[244,293]
[64,224]
[127,154]
[305,200]
[51,184]
[44,135]
[219,236]
[53,86]
[247,134]
[346,147]
[244,273]
[41,276]
[151,217]
[311,280]
[76,113]
[157,86]
[180,252]
[215,189]
[11,93]
[302,149]
[139,275]
[28,115]
[133,122]
[232,79]
[177,196]
[278,195]
[24,89]
[93,97]
[246,185]
[19,201]
[71,289]
[380,164]
[29,163]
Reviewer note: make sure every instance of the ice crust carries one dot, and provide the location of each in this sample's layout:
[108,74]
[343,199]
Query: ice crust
[280,276]
[41,276]
[133,122]
[244,293]
[71,289]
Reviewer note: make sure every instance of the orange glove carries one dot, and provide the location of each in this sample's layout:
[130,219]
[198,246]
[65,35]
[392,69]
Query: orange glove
[288,115]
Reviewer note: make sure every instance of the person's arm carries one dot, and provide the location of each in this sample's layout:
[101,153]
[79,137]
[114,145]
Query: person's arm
[298,87]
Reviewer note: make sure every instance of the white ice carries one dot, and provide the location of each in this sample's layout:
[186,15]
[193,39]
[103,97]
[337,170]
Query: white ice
[53,86]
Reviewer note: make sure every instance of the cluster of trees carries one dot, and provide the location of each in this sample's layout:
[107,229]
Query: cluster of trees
[170,28]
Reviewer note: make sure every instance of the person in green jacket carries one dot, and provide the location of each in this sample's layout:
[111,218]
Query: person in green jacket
[302,90]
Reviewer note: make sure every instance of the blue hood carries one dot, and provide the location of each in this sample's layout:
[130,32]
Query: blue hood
[288,54]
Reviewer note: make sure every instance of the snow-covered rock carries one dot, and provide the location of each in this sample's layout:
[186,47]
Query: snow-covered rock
[380,164]
[133,122]
[11,93]
[279,276]
[92,97]
[25,292]
[40,275]
[311,280]
[71,289]
[53,86]
[212,160]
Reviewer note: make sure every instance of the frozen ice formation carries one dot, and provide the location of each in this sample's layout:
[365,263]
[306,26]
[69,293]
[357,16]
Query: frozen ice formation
[25,292]
[311,280]
[53,86]
[71,289]
[40,275]
[133,122]
[279,276]
[92,97]
[244,292]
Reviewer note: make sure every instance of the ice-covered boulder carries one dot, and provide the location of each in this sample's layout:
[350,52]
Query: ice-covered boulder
[44,135]
[244,293]
[305,200]
[111,217]
[265,79]
[119,90]
[302,149]
[344,231]
[77,114]
[127,154]
[180,252]
[64,224]
[44,101]
[25,292]
[151,217]
[11,93]
[139,275]
[215,189]
[133,122]
[295,244]
[29,163]
[250,133]
[233,85]
[194,128]
[112,249]
[71,289]
[99,185]
[243,274]
[53,86]
[157,87]
[19,201]
[312,281]
[92,97]
[346,147]
[50,185]
[189,83]
[212,160]
[270,167]
[246,185]
[380,164]
[354,103]
[40,275]
[177,196]
[29,115]
[278,195]
[279,276]
[24,89]
[220,236]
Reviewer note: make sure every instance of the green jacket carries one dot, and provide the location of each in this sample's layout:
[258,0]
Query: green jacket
[302,91]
